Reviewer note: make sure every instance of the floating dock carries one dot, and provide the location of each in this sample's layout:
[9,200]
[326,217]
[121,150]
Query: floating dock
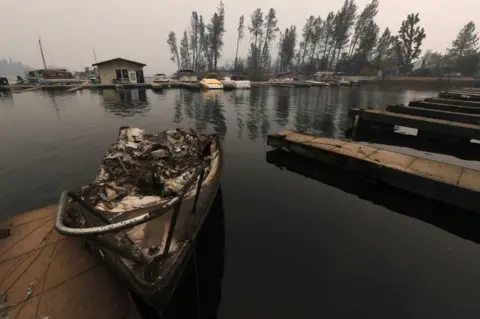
[446,107]
[428,127]
[444,182]
[460,95]
[45,275]
[436,114]
[440,100]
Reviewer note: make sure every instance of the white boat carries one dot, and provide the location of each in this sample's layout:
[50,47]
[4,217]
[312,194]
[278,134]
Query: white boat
[161,78]
[317,80]
[282,78]
[341,82]
[239,81]
[211,82]
[333,78]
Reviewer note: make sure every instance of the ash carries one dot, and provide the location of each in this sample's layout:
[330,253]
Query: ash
[145,165]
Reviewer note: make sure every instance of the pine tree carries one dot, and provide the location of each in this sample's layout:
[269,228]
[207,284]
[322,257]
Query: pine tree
[466,42]
[240,34]
[408,42]
[172,43]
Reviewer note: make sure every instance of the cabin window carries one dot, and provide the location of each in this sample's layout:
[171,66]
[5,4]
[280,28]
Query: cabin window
[122,74]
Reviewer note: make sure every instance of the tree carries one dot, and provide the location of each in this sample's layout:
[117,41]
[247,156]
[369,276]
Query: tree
[202,45]
[256,33]
[384,53]
[466,42]
[344,20]
[216,29]
[184,52]
[362,24]
[368,41]
[328,40]
[317,33]
[240,34]
[194,43]
[172,43]
[307,34]
[271,30]
[287,48]
[408,42]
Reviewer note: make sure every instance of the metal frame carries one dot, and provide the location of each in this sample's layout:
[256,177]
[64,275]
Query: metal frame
[130,252]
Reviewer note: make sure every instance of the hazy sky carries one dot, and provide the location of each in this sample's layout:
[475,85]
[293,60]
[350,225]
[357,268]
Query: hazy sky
[138,29]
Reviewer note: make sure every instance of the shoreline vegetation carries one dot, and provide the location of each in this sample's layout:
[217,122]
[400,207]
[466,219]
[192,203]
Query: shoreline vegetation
[348,41]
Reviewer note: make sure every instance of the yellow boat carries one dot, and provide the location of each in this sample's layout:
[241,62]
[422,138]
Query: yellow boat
[211,82]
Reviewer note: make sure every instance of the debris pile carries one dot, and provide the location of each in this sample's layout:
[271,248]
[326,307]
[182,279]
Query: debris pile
[147,167]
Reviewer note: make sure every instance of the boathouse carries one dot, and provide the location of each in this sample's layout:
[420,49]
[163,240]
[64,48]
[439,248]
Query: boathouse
[120,70]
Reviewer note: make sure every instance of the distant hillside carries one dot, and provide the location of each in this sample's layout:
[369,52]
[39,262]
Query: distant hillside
[13,68]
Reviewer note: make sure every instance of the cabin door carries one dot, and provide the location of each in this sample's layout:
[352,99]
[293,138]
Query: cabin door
[140,78]
[132,76]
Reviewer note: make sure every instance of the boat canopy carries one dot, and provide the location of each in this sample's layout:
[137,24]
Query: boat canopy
[211,76]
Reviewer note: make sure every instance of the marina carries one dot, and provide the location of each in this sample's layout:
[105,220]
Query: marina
[435,185]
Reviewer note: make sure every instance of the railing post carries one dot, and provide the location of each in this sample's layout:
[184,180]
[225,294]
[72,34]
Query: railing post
[197,192]
[171,229]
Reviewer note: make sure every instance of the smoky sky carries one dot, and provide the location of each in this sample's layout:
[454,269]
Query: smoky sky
[137,30]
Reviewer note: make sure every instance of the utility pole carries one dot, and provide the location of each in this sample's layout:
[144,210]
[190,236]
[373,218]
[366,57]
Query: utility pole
[41,51]
[95,55]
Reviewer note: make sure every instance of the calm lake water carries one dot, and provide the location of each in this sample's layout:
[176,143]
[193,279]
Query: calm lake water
[299,242]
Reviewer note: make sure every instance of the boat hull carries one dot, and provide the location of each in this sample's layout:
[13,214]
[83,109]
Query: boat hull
[242,84]
[317,83]
[211,86]
[158,86]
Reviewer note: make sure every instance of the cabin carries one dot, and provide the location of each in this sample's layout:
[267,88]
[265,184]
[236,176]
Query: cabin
[120,70]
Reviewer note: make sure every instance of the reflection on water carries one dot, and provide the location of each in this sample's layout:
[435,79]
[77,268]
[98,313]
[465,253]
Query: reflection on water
[462,223]
[125,102]
[202,301]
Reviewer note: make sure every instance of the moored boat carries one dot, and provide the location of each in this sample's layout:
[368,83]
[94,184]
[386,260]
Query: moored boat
[239,81]
[159,81]
[144,210]
[211,82]
[186,75]
[317,80]
[284,78]
[51,77]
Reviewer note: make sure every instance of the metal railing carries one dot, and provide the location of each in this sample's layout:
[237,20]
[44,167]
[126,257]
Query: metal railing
[131,251]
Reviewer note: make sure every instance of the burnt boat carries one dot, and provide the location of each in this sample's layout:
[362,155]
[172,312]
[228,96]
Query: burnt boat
[145,208]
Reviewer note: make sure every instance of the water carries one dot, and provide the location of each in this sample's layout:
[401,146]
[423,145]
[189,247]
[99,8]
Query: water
[296,245]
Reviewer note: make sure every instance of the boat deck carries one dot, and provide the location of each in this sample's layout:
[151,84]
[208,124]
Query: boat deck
[46,275]
[444,182]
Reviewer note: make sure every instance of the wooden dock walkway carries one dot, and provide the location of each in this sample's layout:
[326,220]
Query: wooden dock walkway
[443,128]
[46,275]
[444,182]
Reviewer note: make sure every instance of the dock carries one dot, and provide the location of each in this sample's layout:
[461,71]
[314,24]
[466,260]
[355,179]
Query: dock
[46,275]
[436,114]
[386,121]
[461,95]
[440,100]
[446,106]
[451,184]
